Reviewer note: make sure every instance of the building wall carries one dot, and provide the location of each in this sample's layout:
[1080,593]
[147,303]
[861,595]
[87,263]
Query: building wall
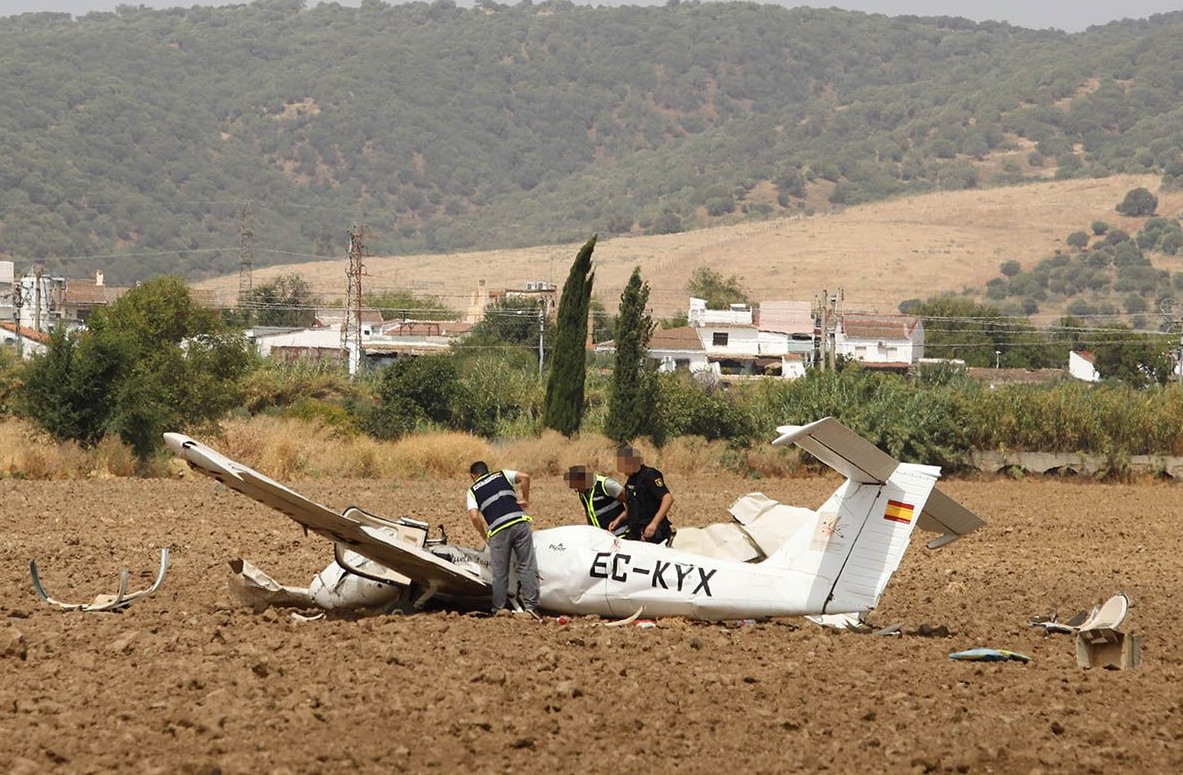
[675,360]
[740,341]
[308,338]
[880,350]
[792,368]
[1082,368]
[28,346]
[698,315]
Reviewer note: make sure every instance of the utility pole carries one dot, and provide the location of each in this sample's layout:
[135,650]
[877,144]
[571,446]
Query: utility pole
[37,270]
[246,256]
[351,327]
[541,336]
[18,301]
[1174,316]
[834,299]
[825,298]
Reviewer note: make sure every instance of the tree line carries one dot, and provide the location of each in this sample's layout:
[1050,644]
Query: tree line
[155,361]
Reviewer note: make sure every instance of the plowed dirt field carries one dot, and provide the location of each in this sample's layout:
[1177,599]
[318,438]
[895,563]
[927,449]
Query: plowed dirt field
[187,682]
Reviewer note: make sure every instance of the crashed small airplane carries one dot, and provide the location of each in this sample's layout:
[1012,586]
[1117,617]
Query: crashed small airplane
[772,560]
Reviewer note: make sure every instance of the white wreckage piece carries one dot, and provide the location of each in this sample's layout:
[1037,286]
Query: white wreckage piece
[120,600]
[771,560]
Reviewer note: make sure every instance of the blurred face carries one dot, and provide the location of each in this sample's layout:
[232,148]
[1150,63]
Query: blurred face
[629,462]
[578,481]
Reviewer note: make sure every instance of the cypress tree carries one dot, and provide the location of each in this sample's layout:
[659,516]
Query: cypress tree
[632,401]
[568,365]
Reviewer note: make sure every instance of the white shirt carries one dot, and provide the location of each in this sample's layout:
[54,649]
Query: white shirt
[613,487]
[512,476]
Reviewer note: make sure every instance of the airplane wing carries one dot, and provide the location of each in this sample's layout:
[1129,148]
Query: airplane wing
[372,537]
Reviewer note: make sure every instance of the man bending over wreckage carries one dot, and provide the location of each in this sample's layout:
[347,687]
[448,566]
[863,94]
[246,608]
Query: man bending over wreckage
[499,516]
[602,497]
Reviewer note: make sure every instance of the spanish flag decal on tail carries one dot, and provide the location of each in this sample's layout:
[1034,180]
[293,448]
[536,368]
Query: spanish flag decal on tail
[897,511]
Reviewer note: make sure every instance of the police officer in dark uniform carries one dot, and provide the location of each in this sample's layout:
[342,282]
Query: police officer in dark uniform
[602,497]
[649,500]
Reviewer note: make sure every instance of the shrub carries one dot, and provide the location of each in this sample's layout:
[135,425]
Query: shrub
[688,406]
[1137,202]
[1078,239]
[1099,228]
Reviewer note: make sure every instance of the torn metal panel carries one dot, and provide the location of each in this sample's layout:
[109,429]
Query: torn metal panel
[116,602]
[334,588]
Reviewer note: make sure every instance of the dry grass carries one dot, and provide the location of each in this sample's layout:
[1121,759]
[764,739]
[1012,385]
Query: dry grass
[31,454]
[288,449]
[881,253]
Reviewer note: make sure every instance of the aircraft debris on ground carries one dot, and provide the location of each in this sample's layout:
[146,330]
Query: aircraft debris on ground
[120,600]
[771,560]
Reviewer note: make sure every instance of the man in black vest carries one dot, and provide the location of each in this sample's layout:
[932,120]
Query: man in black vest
[649,500]
[501,518]
[602,497]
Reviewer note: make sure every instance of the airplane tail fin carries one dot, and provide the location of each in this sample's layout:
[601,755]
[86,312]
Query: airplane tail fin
[861,532]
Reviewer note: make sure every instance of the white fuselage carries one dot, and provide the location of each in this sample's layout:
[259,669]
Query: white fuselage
[585,570]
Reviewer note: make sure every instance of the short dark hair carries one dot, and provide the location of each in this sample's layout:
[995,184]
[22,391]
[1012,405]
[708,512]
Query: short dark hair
[626,451]
[479,468]
[576,472]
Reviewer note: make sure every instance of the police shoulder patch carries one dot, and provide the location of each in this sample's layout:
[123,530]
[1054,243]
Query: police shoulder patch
[658,482]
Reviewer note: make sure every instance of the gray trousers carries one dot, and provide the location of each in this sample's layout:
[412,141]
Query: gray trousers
[518,539]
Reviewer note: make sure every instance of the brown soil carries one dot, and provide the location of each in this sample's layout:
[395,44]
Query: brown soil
[186,682]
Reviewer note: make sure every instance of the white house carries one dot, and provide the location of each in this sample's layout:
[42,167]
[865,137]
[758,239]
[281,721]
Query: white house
[397,338]
[7,291]
[880,340]
[1082,365]
[323,343]
[31,342]
[678,349]
[698,315]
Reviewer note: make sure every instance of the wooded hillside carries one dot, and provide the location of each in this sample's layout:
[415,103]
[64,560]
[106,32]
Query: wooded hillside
[141,133]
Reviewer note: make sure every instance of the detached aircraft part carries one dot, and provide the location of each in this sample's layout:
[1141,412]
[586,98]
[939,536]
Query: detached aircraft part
[771,560]
[116,602]
[340,586]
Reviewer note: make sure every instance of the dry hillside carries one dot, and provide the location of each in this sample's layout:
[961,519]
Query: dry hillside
[881,253]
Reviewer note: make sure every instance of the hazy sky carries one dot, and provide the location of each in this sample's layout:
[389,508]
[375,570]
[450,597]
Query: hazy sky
[1071,15]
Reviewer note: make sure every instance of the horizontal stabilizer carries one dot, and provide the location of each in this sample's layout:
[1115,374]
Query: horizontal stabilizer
[944,515]
[841,449]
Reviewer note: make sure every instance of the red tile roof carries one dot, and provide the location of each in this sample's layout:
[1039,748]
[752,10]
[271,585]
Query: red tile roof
[26,332]
[84,293]
[879,326]
[682,338]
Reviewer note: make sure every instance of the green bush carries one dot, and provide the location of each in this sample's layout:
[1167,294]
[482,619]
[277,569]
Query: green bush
[153,361]
[501,396]
[335,416]
[10,381]
[689,406]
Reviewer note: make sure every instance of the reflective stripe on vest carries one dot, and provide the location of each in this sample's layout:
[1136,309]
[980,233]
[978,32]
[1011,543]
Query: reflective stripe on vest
[497,502]
[601,507]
